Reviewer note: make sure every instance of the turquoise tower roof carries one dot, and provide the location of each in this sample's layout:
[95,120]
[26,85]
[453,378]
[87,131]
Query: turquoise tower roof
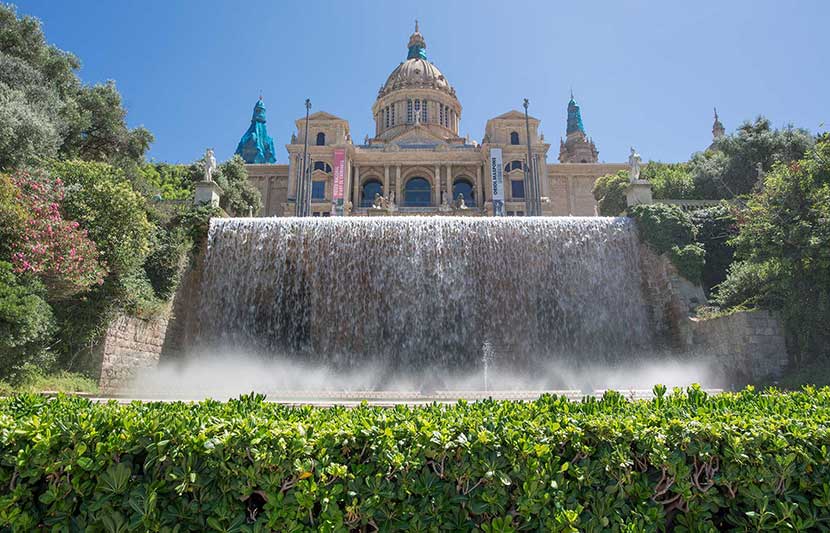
[574,117]
[256,146]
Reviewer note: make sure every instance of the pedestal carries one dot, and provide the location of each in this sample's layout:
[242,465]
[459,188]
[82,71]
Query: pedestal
[207,192]
[638,192]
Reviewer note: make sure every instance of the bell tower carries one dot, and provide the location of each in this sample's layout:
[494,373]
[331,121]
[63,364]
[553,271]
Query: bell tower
[577,147]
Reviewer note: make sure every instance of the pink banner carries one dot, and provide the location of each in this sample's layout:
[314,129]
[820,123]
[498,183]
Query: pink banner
[339,175]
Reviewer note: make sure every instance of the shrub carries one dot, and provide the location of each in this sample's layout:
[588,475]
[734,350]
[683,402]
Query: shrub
[663,226]
[26,322]
[749,285]
[670,181]
[685,461]
[13,216]
[715,227]
[689,261]
[58,251]
[103,201]
[166,262]
[237,192]
[609,192]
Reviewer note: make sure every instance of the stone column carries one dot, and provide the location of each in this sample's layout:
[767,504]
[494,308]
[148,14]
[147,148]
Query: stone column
[292,174]
[479,187]
[356,187]
[436,186]
[398,185]
[386,181]
[449,182]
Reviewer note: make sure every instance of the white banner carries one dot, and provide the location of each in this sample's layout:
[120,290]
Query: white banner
[497,177]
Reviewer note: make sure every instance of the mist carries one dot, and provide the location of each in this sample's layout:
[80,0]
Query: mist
[226,375]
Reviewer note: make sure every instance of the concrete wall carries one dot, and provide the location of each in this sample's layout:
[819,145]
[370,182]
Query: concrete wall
[129,345]
[746,346]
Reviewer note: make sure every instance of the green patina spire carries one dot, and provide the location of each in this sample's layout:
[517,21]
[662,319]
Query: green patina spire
[574,117]
[417,45]
[256,146]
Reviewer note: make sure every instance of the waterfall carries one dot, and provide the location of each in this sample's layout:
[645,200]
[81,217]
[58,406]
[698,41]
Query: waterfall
[424,294]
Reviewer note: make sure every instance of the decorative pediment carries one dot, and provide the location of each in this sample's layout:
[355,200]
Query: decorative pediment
[322,115]
[417,135]
[511,115]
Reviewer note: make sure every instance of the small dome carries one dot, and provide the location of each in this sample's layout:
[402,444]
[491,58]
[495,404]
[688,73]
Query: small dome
[416,72]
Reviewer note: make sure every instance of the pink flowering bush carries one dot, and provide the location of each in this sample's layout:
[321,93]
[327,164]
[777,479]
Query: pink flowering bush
[57,251]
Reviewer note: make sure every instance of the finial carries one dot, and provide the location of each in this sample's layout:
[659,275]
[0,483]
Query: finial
[416,25]
[260,95]
[716,113]
[572,93]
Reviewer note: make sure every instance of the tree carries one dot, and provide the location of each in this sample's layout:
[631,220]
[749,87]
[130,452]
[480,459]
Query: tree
[609,192]
[731,169]
[670,181]
[46,111]
[25,320]
[716,226]
[238,195]
[101,199]
[786,228]
[56,250]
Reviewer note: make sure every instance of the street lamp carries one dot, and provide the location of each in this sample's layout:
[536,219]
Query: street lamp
[532,202]
[302,207]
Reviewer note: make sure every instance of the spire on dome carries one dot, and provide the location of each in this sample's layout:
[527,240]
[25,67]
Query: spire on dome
[574,117]
[256,146]
[417,46]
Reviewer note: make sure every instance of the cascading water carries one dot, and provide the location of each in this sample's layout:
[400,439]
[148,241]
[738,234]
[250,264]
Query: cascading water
[422,295]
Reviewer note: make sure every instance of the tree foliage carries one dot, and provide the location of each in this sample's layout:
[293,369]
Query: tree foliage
[47,112]
[47,245]
[715,227]
[238,195]
[26,322]
[669,230]
[788,225]
[670,181]
[101,199]
[731,169]
[609,192]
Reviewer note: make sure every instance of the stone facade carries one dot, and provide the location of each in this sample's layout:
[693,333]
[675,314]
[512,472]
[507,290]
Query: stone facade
[129,345]
[417,143]
[746,346]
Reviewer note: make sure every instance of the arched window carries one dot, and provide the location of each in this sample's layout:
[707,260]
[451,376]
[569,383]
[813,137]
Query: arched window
[464,187]
[370,189]
[513,165]
[514,137]
[322,165]
[321,139]
[417,193]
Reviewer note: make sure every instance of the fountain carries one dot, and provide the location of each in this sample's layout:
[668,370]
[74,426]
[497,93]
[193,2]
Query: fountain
[418,296]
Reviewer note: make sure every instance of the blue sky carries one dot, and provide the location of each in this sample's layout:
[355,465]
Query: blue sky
[646,73]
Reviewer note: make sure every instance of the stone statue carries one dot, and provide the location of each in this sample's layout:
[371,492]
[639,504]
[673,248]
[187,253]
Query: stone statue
[209,164]
[347,208]
[634,161]
[379,201]
[293,138]
[460,203]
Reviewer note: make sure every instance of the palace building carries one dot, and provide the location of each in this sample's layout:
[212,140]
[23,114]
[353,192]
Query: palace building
[417,163]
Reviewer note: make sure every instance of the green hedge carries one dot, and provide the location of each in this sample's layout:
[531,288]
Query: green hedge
[684,461]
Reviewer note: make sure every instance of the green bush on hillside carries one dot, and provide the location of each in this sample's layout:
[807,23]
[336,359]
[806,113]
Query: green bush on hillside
[684,462]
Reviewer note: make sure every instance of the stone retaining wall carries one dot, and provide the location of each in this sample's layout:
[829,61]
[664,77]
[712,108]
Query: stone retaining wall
[747,346]
[130,345]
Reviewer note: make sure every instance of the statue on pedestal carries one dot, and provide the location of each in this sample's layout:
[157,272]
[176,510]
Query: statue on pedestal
[378,201]
[460,203]
[209,164]
[634,161]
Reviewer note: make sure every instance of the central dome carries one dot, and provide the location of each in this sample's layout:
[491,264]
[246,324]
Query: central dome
[416,96]
[416,72]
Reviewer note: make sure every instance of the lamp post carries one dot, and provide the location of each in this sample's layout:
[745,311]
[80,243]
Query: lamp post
[532,206]
[302,207]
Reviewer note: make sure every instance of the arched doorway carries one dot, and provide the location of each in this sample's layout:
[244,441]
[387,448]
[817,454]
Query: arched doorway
[417,193]
[464,187]
[371,187]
